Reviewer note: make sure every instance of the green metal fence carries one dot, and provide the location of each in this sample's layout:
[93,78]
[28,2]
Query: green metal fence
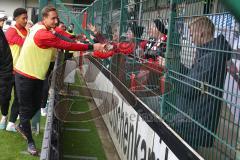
[200,98]
[199,108]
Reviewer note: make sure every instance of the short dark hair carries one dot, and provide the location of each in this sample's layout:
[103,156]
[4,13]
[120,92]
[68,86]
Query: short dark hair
[19,11]
[160,26]
[48,9]
[72,24]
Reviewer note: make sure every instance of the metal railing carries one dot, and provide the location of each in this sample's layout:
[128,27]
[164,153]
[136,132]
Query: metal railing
[51,145]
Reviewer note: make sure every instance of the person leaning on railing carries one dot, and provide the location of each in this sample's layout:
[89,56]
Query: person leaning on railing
[61,33]
[201,103]
[121,49]
[126,47]
[145,51]
[32,66]
[153,48]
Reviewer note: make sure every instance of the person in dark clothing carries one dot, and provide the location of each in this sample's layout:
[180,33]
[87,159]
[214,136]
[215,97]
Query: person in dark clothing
[156,45]
[16,36]
[6,71]
[154,48]
[71,28]
[196,94]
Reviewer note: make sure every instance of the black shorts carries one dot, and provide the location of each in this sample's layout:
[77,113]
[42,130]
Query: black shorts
[6,85]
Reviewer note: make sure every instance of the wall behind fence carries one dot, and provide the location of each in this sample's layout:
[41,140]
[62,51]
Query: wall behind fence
[191,80]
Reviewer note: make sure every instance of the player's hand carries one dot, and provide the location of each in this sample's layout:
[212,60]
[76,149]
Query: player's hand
[161,61]
[99,47]
[91,36]
[92,28]
[79,37]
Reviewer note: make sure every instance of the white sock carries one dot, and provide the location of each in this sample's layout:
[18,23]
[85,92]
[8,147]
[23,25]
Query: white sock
[11,124]
[4,119]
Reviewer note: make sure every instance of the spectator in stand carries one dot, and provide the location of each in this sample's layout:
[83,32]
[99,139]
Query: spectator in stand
[197,101]
[61,29]
[62,26]
[127,47]
[156,45]
[70,29]
[153,48]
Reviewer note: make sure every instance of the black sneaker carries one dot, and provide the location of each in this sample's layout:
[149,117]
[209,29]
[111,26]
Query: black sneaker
[20,130]
[32,149]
